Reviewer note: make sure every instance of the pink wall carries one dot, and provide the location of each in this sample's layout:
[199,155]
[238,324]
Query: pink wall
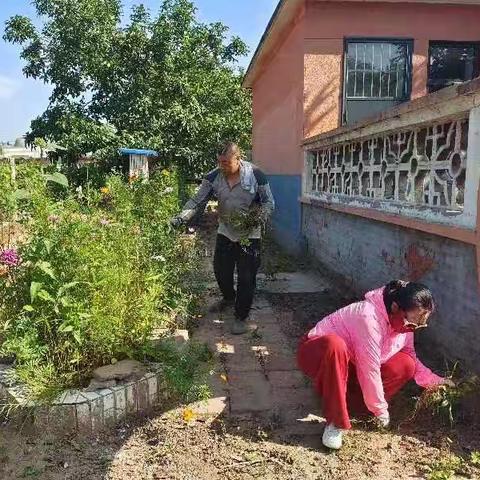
[278,107]
[299,90]
[328,23]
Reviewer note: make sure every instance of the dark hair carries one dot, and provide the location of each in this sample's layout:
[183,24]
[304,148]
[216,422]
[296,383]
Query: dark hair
[227,146]
[407,295]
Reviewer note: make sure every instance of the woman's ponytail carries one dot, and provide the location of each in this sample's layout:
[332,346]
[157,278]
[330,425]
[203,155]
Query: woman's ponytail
[408,296]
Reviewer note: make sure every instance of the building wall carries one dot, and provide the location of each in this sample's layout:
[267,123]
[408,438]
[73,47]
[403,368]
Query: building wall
[328,23]
[368,254]
[277,132]
[286,221]
[299,90]
[278,107]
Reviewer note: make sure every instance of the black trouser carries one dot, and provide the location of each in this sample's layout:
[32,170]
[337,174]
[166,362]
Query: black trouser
[229,255]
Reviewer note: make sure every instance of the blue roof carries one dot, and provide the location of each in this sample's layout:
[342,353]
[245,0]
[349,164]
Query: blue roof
[136,151]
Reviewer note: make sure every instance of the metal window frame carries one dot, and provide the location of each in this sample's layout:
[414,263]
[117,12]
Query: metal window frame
[452,43]
[408,42]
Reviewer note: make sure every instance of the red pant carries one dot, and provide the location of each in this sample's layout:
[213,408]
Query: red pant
[327,362]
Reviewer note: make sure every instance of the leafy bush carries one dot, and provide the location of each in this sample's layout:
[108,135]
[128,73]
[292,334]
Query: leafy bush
[100,271]
[29,176]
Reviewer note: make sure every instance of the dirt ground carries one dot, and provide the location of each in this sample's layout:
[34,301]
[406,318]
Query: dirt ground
[247,446]
[165,446]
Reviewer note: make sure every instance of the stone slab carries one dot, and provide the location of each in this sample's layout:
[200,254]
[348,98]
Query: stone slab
[292,282]
[213,406]
[303,397]
[280,362]
[243,360]
[84,418]
[287,379]
[250,393]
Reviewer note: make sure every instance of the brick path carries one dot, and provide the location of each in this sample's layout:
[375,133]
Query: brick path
[256,374]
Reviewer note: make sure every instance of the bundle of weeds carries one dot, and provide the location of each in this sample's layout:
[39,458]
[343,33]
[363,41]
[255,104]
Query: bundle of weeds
[246,221]
[443,401]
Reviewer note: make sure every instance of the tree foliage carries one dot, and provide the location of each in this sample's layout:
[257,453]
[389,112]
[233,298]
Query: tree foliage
[166,82]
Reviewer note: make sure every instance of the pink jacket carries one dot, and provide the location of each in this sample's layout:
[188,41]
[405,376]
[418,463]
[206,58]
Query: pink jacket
[371,341]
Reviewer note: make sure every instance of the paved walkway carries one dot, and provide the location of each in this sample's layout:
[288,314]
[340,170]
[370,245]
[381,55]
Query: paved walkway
[256,375]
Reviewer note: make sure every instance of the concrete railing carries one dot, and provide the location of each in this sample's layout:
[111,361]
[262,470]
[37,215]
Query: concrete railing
[419,160]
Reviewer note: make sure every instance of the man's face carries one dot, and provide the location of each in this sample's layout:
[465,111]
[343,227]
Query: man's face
[229,162]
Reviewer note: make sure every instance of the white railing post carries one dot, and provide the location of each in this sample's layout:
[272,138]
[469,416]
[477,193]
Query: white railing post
[305,174]
[473,165]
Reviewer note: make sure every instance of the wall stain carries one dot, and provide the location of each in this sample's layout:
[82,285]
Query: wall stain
[419,261]
[388,259]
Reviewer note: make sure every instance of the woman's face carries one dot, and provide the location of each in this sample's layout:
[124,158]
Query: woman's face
[407,322]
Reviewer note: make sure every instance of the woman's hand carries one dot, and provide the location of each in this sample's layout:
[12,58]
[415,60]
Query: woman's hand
[448,382]
[383,420]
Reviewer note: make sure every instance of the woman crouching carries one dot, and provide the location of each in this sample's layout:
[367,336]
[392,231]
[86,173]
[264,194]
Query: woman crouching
[363,354]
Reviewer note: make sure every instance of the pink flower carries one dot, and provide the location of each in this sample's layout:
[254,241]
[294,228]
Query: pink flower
[9,257]
[104,222]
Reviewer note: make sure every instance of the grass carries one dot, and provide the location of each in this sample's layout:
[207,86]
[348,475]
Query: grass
[186,368]
[453,465]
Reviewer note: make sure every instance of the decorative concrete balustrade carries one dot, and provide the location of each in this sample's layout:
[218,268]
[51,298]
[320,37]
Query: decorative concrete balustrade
[421,166]
[420,160]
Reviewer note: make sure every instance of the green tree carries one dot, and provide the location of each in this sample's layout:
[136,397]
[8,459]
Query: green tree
[166,82]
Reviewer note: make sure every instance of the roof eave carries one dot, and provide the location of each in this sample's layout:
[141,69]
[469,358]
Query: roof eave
[286,11]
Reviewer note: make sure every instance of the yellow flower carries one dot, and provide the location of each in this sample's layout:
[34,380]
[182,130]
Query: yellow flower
[105,190]
[189,415]
[165,173]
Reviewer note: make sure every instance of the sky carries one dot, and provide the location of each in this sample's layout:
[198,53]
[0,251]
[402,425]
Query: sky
[22,99]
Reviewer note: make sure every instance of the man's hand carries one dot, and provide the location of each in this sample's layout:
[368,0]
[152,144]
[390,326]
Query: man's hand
[176,222]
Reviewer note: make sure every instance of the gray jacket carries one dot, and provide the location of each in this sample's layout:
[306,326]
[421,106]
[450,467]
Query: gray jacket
[253,188]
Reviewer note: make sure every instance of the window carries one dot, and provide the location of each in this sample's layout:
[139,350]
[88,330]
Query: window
[377,76]
[451,63]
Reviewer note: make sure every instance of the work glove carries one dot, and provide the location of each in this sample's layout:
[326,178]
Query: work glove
[383,420]
[176,222]
[448,382]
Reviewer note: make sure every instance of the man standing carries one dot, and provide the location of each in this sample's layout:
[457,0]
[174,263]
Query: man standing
[238,186]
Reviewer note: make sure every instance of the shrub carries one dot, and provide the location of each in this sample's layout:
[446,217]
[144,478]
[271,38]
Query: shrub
[101,270]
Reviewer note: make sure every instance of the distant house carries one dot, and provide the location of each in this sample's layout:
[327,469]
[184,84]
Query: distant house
[19,150]
[371,141]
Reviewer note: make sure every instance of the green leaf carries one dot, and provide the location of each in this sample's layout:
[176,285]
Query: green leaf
[46,268]
[22,194]
[44,295]
[58,178]
[35,287]
[28,308]
[66,287]
[48,245]
[78,337]
[65,328]
[475,458]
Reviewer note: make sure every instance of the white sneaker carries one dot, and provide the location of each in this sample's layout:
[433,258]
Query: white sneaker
[332,437]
